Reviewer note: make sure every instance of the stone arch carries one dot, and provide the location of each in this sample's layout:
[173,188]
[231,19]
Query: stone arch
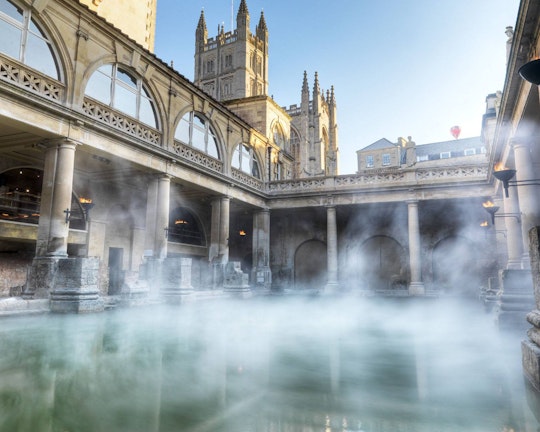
[455,266]
[37,33]
[185,227]
[310,265]
[378,263]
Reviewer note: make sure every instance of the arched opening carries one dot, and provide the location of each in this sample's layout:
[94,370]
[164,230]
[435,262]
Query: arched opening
[244,159]
[196,131]
[24,40]
[118,88]
[185,228]
[380,264]
[310,265]
[455,267]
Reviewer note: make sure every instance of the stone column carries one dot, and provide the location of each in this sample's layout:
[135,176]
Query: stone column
[527,194]
[332,249]
[416,286]
[218,254]
[53,229]
[261,274]
[162,217]
[514,237]
[57,188]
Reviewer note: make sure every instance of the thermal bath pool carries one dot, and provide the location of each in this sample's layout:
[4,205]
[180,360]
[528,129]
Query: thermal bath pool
[269,365]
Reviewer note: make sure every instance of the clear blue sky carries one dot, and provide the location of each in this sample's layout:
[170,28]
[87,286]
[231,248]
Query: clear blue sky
[398,67]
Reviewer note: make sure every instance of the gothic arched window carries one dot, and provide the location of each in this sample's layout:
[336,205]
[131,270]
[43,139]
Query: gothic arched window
[22,39]
[279,138]
[114,86]
[244,159]
[195,131]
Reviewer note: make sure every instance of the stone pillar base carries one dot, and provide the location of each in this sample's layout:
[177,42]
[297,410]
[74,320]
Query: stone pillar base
[531,362]
[417,289]
[515,300]
[40,278]
[236,281]
[76,286]
[135,291]
[176,281]
[262,278]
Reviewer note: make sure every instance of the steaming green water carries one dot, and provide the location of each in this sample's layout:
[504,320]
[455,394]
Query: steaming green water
[263,365]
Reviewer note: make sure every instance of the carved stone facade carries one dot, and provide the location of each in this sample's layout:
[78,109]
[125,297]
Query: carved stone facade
[181,175]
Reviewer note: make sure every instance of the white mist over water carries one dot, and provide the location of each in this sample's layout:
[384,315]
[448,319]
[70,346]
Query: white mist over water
[267,364]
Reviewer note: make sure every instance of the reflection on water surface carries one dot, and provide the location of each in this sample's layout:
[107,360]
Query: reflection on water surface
[269,365]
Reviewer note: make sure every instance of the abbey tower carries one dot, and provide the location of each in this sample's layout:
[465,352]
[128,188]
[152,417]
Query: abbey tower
[233,68]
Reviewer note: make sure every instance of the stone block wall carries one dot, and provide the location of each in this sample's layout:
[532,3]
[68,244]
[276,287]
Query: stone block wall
[13,271]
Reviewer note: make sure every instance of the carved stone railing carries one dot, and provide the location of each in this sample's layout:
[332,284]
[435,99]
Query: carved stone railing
[452,173]
[29,79]
[383,178]
[297,185]
[124,123]
[193,155]
[247,180]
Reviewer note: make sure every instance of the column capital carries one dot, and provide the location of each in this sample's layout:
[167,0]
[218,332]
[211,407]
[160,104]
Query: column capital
[57,142]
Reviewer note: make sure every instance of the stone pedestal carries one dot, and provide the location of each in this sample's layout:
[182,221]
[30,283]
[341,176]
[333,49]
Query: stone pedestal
[514,300]
[41,278]
[176,280]
[236,282]
[76,288]
[135,290]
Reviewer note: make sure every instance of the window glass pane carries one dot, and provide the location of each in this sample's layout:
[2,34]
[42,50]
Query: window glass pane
[10,40]
[39,56]
[212,147]
[125,100]
[35,29]
[126,78]
[198,122]
[182,131]
[106,69]
[255,169]
[99,87]
[146,112]
[197,140]
[236,157]
[11,10]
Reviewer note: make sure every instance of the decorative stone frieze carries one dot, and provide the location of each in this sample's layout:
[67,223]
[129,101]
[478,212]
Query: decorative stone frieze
[195,156]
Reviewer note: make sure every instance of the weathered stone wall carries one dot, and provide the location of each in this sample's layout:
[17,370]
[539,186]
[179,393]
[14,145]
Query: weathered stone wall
[13,268]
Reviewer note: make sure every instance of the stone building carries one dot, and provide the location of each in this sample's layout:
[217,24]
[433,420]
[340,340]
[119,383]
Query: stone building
[120,178]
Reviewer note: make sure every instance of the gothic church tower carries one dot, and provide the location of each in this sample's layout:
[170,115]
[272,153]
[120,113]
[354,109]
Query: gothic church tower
[232,65]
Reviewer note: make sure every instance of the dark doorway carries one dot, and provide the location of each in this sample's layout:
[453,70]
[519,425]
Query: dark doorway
[116,275]
[310,265]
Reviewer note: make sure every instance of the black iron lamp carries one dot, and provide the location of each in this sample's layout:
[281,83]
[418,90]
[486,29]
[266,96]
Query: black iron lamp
[504,175]
[531,71]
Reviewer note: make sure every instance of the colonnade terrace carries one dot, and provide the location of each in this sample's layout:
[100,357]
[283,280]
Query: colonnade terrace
[158,193]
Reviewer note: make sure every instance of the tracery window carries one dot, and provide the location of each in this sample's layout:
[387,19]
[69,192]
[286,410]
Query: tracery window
[194,130]
[22,39]
[114,86]
[245,160]
[279,137]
